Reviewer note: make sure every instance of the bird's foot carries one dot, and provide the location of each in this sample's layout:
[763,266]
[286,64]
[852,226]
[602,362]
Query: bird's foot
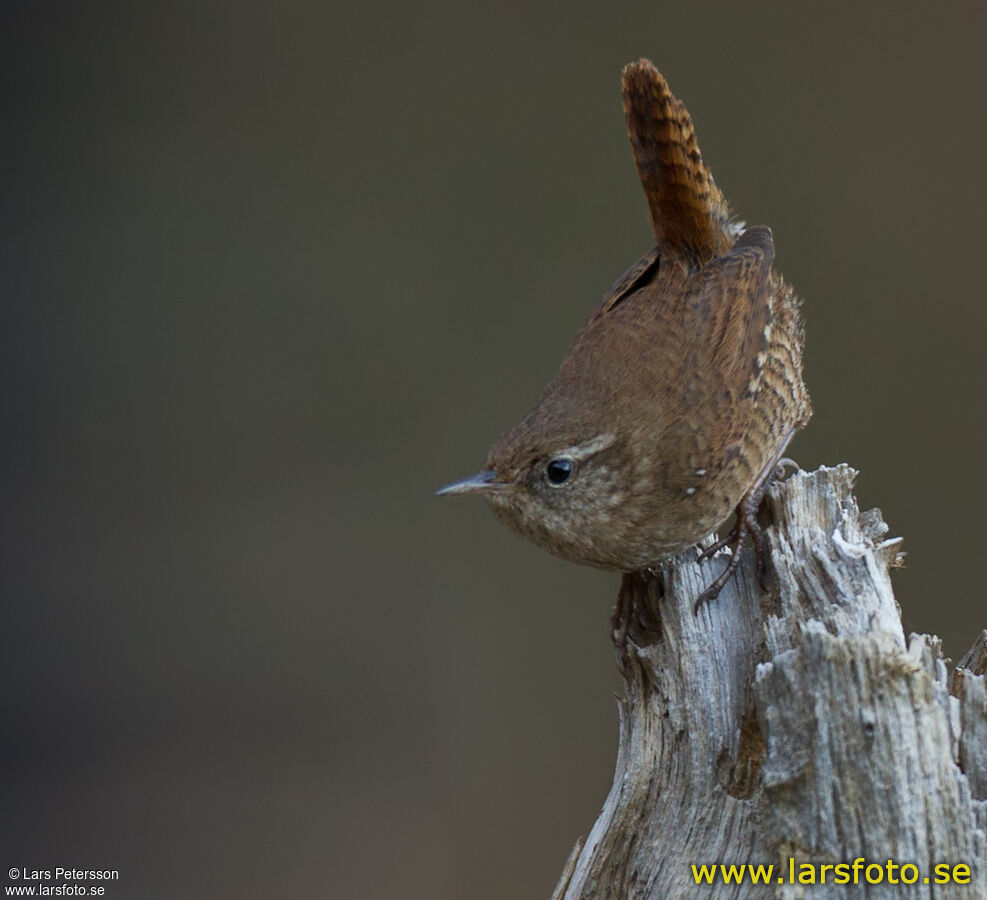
[633,610]
[734,540]
[783,464]
[747,525]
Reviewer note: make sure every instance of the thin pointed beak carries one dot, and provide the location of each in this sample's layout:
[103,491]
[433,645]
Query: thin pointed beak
[481,483]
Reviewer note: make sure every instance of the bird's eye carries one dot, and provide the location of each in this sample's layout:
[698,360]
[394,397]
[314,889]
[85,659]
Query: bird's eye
[559,470]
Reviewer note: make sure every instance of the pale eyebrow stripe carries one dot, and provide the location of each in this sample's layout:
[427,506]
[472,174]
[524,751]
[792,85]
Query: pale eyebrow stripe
[581,451]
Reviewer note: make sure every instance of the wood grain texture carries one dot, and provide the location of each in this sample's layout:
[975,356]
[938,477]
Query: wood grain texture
[970,688]
[801,724]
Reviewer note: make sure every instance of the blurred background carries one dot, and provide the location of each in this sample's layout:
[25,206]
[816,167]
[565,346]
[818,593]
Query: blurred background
[272,273]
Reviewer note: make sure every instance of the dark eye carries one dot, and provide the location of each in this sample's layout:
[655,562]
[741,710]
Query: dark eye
[559,470]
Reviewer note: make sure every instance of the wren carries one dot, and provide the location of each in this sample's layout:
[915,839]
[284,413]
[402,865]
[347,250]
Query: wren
[677,399]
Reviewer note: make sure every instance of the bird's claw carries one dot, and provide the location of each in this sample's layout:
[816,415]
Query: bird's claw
[747,524]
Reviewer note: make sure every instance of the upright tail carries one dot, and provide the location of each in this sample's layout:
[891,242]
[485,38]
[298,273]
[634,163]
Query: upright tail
[688,213]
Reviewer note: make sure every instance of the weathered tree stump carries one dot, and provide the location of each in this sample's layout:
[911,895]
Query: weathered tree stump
[790,726]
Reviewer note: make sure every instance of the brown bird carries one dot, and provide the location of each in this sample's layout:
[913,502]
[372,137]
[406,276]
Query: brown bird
[677,399]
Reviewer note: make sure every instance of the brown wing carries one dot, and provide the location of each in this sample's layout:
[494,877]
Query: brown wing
[688,213]
[734,287]
[730,300]
[638,275]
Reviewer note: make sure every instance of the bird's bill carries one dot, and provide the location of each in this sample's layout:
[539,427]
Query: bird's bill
[481,483]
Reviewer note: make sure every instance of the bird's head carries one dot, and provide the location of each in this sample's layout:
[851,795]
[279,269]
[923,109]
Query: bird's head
[560,484]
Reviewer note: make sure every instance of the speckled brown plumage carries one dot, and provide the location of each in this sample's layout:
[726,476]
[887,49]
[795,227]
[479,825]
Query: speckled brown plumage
[676,399]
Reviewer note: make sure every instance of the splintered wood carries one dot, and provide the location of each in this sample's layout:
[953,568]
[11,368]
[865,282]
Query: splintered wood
[795,726]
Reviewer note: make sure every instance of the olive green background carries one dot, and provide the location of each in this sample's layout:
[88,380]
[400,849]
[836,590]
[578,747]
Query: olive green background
[272,273]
